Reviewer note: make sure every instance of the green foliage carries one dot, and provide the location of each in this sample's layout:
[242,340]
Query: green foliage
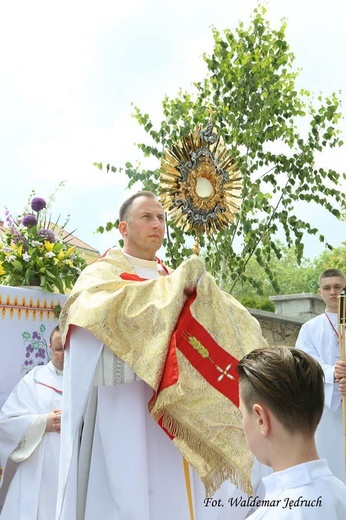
[288,277]
[257,302]
[334,259]
[273,131]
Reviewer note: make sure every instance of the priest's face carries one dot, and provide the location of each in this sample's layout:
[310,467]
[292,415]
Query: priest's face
[57,351]
[144,228]
[330,289]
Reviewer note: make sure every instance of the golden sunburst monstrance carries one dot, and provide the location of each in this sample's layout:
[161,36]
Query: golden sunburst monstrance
[200,183]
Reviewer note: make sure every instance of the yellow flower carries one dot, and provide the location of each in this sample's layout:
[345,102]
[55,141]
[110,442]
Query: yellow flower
[20,249]
[48,246]
[2,270]
[70,250]
[61,254]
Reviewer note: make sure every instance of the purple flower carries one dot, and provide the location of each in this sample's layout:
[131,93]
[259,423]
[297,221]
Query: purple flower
[29,221]
[47,234]
[37,204]
[9,219]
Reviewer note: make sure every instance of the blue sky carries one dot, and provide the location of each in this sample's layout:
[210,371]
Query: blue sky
[69,72]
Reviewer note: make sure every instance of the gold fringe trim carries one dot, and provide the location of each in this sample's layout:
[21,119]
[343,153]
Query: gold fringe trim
[216,471]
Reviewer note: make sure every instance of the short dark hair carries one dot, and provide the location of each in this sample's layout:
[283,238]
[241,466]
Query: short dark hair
[288,381]
[329,273]
[124,208]
[56,329]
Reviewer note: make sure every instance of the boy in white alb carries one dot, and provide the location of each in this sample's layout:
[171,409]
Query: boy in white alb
[281,402]
[319,338]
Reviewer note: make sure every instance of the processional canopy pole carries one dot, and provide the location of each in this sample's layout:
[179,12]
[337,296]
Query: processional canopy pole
[200,185]
[342,345]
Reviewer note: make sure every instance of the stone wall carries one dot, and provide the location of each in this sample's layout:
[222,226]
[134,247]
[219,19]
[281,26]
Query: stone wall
[278,329]
[303,306]
[291,311]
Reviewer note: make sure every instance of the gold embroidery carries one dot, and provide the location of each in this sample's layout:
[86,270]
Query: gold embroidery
[206,424]
[197,345]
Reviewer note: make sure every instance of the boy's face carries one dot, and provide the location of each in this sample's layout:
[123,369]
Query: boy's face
[330,288]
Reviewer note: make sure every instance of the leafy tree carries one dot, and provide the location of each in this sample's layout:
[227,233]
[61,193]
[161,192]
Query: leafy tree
[334,259]
[273,132]
[290,278]
[257,302]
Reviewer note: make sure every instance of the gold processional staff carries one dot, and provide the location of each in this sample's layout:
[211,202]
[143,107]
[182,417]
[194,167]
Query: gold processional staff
[342,345]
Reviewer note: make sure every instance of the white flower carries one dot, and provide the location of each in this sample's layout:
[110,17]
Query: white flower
[10,258]
[26,257]
[36,243]
[50,254]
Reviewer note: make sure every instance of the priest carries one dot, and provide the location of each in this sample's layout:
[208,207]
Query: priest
[30,436]
[151,425]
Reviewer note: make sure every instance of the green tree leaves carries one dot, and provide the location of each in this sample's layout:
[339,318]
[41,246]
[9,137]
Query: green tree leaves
[275,132]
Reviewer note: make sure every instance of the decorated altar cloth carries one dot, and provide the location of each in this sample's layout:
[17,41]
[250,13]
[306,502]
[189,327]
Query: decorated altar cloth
[27,319]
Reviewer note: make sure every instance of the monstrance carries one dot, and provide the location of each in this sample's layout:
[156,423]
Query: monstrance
[200,184]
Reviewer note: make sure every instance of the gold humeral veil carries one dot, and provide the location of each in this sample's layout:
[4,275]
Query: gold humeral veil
[142,323]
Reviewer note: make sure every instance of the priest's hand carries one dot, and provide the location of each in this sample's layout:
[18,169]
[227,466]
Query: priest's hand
[53,421]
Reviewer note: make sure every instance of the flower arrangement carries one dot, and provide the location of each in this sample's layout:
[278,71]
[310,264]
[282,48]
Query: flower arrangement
[33,251]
